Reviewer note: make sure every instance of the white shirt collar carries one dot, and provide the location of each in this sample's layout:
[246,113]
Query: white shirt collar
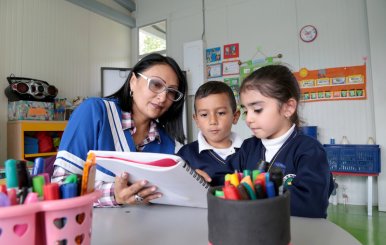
[204,145]
[273,145]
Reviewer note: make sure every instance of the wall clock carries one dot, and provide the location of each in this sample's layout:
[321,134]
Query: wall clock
[308,33]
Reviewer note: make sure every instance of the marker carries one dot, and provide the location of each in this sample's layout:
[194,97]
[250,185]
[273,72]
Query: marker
[38,167]
[251,192]
[243,192]
[230,192]
[46,177]
[88,178]
[270,188]
[255,173]
[72,178]
[3,189]
[69,190]
[23,194]
[23,175]
[247,172]
[219,193]
[247,179]
[234,179]
[263,166]
[31,198]
[12,196]
[37,184]
[4,200]
[276,177]
[51,191]
[259,191]
[11,173]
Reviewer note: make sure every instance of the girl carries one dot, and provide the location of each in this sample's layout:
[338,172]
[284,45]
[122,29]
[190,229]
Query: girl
[269,99]
[144,115]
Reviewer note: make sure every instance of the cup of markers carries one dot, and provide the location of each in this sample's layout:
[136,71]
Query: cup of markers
[250,208]
[35,211]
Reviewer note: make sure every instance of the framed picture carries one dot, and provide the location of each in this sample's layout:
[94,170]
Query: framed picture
[214,70]
[213,55]
[231,51]
[230,68]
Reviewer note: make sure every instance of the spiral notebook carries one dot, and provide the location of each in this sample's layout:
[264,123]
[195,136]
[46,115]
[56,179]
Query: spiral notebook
[175,179]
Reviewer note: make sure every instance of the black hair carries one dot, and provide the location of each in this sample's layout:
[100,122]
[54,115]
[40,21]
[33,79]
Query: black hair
[215,87]
[171,120]
[275,81]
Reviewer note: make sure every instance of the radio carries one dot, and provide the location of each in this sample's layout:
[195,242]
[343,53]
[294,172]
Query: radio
[22,88]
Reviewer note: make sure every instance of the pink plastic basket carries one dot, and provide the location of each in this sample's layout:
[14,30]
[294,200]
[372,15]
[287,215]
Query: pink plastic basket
[66,221]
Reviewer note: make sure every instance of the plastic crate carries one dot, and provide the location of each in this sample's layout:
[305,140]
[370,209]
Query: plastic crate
[354,158]
[66,221]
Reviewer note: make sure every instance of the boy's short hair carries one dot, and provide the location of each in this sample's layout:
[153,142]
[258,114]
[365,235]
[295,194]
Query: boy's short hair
[215,87]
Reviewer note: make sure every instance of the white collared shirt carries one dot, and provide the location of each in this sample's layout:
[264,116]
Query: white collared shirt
[223,153]
[273,145]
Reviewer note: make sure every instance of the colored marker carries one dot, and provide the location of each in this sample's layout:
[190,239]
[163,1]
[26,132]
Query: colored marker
[37,184]
[230,192]
[251,192]
[69,190]
[31,198]
[4,200]
[270,188]
[235,179]
[243,192]
[11,173]
[38,167]
[276,177]
[51,191]
[88,178]
[12,196]
[23,174]
[255,173]
[219,193]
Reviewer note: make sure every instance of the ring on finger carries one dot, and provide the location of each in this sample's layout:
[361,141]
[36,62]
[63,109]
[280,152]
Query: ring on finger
[138,198]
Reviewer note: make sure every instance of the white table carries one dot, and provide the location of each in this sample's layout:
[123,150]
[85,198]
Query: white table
[369,187]
[172,225]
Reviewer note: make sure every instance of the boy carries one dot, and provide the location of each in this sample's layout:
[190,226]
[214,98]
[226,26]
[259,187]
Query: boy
[215,111]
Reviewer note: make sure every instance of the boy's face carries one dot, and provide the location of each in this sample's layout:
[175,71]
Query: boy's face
[214,117]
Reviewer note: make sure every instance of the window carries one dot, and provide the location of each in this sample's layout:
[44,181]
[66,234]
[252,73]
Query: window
[152,38]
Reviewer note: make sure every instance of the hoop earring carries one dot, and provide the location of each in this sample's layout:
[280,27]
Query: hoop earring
[131,93]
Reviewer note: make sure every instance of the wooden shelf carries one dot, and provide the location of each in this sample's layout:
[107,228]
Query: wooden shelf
[16,133]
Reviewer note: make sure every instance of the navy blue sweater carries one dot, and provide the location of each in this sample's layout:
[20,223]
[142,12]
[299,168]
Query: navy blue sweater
[207,161]
[302,156]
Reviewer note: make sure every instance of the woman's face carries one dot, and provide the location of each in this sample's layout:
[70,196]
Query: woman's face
[148,104]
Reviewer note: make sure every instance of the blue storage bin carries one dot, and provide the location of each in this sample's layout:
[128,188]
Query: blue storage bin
[354,158]
[31,145]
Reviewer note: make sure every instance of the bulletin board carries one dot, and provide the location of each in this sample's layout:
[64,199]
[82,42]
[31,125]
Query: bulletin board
[339,83]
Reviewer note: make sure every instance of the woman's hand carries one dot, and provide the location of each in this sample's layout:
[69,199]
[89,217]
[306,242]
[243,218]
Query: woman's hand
[137,193]
[203,174]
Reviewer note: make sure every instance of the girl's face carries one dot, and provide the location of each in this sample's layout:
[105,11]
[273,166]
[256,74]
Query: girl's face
[147,104]
[264,116]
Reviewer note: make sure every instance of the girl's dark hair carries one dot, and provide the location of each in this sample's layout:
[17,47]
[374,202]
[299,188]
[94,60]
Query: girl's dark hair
[215,87]
[171,120]
[275,81]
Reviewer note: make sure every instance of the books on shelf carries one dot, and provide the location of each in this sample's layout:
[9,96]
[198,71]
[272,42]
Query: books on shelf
[174,178]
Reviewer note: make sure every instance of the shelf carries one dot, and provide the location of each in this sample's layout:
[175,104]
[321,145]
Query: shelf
[16,134]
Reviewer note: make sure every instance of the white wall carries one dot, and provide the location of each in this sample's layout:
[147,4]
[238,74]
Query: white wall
[343,40]
[376,10]
[58,42]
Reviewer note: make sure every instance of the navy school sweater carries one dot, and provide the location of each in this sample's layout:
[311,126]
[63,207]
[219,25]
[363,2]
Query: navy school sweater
[207,161]
[302,158]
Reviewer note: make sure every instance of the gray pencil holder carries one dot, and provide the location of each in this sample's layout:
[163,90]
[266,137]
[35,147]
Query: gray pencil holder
[258,222]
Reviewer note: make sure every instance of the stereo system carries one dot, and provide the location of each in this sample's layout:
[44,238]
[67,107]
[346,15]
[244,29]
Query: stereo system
[22,88]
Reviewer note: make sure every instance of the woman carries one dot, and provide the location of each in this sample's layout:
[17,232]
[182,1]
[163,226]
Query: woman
[144,115]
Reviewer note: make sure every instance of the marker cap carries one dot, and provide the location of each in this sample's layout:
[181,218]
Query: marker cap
[11,173]
[69,190]
[51,191]
[37,184]
[38,167]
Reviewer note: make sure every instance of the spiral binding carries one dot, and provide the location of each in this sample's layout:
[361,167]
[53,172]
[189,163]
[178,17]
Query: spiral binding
[195,175]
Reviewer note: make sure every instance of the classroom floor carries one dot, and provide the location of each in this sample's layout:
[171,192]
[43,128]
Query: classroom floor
[353,218]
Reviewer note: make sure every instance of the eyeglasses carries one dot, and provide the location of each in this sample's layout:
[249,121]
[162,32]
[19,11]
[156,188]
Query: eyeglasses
[157,85]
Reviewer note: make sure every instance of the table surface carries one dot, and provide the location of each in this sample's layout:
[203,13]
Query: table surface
[172,225]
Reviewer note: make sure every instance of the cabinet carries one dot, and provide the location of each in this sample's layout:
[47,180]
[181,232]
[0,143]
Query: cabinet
[18,130]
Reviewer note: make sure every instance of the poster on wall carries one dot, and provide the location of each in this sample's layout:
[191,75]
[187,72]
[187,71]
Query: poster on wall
[234,83]
[230,68]
[231,51]
[339,83]
[214,70]
[213,55]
